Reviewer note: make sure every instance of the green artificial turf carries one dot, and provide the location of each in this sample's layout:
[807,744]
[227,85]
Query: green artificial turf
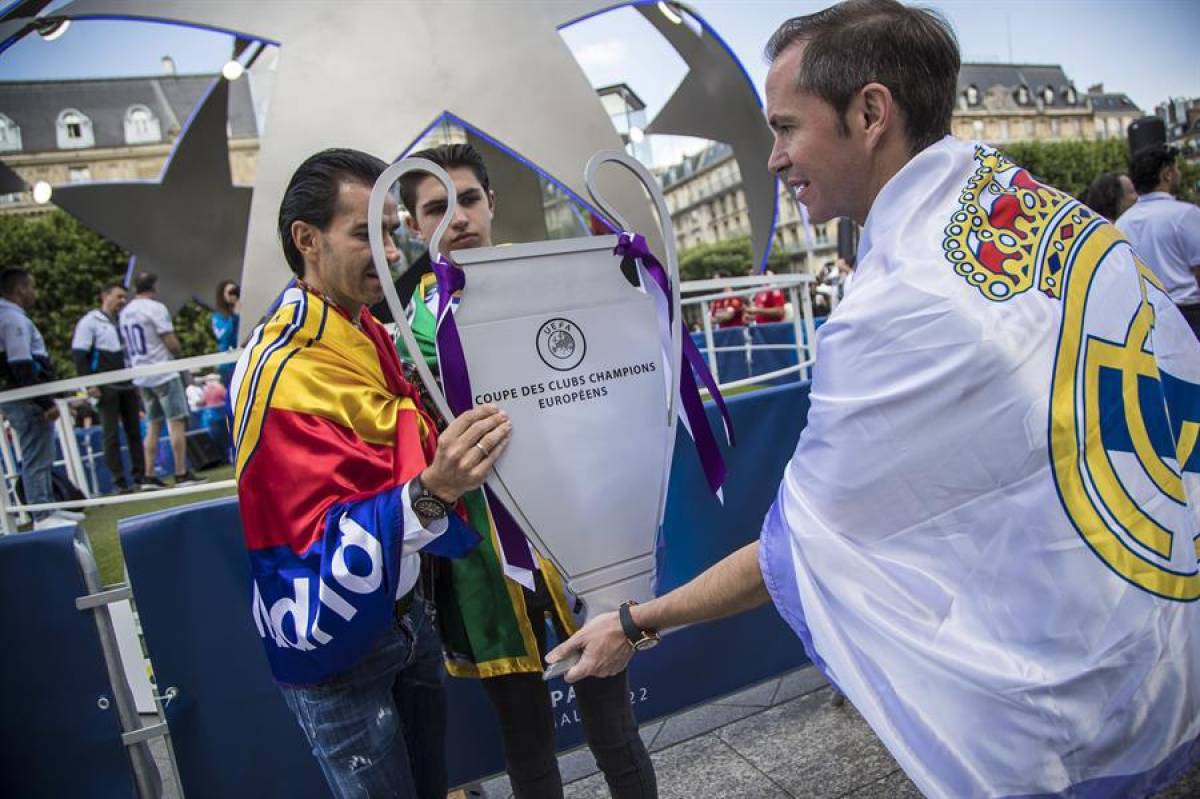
[101,523]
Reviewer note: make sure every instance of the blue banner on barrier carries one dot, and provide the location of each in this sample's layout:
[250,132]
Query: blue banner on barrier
[60,734]
[748,358]
[233,735]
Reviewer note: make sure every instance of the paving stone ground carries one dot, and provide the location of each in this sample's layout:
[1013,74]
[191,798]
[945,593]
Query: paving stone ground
[783,738]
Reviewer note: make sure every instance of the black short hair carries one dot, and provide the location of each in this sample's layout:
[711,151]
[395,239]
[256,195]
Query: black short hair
[1146,167]
[145,282]
[11,279]
[110,287]
[1104,196]
[910,50]
[448,156]
[311,194]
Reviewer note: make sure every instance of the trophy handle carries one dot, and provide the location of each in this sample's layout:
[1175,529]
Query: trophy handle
[375,233]
[668,235]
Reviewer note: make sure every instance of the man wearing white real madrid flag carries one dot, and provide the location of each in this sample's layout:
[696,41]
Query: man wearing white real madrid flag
[987,535]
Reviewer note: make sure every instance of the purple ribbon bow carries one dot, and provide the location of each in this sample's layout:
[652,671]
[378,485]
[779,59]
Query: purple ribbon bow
[634,245]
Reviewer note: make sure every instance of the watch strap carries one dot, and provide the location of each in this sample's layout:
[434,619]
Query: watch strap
[632,632]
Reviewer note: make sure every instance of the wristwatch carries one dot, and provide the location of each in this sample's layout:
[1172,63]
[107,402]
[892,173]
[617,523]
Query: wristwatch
[428,507]
[639,639]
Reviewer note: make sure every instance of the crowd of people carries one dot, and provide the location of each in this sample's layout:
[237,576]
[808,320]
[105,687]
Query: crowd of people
[119,333]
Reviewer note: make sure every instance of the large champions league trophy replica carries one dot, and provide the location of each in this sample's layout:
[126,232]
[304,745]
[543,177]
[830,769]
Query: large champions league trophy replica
[586,365]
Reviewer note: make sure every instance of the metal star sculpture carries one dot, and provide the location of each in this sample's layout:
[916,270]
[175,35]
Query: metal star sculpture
[716,80]
[189,227]
[11,182]
[371,75]
[19,19]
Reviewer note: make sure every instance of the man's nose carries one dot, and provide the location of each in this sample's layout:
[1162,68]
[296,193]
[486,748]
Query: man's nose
[460,217]
[777,161]
[390,251]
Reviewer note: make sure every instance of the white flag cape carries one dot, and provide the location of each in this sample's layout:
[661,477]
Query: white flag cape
[987,534]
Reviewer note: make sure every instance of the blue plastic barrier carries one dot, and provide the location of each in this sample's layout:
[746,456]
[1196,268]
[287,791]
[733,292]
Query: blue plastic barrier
[207,424]
[55,739]
[233,735]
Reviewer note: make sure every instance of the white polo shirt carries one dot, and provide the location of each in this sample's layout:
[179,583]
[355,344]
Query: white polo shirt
[1165,233]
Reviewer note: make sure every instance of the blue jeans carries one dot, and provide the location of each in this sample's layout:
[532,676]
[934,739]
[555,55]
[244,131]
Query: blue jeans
[36,436]
[379,729]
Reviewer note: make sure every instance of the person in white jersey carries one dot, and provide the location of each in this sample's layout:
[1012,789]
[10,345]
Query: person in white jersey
[1164,231]
[150,339]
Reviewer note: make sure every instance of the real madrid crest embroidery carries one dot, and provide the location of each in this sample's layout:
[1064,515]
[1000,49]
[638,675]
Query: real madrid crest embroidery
[1122,430]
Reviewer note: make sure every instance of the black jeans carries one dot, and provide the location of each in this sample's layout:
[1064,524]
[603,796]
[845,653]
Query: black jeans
[121,406]
[522,702]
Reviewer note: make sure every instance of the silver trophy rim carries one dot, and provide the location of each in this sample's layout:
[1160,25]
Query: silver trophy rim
[667,230]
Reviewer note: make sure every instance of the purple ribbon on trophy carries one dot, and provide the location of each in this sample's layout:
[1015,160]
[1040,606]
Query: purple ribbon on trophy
[634,245]
[457,384]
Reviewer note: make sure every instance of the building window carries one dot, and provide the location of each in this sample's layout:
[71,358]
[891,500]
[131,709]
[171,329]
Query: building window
[10,135]
[74,130]
[1029,130]
[1114,128]
[141,126]
[1100,134]
[972,94]
[79,174]
[1021,95]
[1047,95]
[1069,95]
[1004,130]
[977,130]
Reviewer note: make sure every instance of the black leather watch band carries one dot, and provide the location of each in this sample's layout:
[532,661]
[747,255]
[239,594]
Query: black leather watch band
[638,638]
[631,630]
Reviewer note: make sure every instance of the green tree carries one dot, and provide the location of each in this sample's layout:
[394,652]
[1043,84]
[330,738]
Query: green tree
[194,330]
[71,263]
[1072,165]
[732,257]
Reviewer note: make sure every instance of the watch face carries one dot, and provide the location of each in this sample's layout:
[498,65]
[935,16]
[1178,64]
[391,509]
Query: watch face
[649,642]
[429,507]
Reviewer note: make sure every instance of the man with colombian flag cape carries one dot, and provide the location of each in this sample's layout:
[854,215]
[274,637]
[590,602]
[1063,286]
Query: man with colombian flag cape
[493,627]
[342,479]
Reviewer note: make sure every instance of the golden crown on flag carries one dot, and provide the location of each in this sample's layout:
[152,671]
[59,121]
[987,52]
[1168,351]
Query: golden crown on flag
[1009,229]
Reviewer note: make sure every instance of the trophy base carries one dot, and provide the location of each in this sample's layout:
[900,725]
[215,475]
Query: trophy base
[604,599]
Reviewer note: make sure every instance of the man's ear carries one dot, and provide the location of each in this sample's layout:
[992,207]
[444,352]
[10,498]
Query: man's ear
[491,195]
[306,237]
[876,111]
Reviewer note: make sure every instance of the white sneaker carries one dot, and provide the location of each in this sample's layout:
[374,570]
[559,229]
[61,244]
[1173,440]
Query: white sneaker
[73,515]
[51,521]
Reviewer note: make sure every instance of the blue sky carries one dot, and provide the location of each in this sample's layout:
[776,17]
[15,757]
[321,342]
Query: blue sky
[1145,48]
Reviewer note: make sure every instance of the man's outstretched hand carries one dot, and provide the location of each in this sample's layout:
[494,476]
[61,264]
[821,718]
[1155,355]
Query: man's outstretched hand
[602,648]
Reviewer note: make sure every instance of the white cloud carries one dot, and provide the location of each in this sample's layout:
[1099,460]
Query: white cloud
[602,54]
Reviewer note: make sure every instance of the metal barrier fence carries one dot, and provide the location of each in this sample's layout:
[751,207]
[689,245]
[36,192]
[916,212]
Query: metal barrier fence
[13,511]
[795,286]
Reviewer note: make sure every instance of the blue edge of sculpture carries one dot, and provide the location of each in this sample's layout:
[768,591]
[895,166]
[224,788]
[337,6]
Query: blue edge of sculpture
[233,736]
